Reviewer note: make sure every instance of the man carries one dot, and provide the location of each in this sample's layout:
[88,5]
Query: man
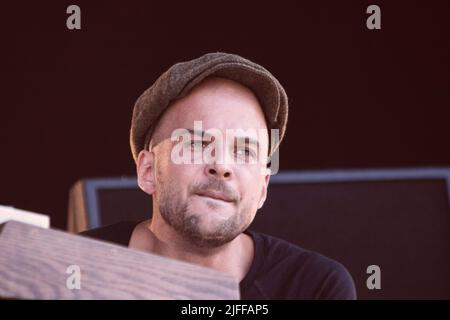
[203,205]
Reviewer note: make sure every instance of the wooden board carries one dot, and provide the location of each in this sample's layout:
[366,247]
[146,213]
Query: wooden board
[11,213]
[34,261]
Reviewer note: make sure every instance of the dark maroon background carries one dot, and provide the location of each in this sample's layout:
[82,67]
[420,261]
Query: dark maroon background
[358,98]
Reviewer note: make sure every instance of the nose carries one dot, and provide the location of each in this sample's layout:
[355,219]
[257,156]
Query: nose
[220,165]
[219,171]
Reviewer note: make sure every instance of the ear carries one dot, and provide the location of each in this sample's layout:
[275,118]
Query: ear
[145,171]
[264,191]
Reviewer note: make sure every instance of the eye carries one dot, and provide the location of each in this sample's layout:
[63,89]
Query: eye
[245,152]
[197,144]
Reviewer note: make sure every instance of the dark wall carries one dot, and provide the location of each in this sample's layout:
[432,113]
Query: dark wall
[358,98]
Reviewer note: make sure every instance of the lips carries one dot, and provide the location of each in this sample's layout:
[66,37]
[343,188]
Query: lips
[216,195]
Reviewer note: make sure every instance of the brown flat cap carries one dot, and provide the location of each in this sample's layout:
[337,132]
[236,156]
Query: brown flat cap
[179,79]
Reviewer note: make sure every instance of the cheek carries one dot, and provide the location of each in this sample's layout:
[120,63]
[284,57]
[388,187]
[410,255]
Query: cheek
[165,165]
[252,187]
[181,176]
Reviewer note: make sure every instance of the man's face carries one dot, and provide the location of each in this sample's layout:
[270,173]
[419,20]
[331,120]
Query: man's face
[210,203]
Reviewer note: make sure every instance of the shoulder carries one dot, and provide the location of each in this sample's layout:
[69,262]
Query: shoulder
[290,271]
[118,233]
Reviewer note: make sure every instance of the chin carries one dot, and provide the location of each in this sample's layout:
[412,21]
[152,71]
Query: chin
[211,211]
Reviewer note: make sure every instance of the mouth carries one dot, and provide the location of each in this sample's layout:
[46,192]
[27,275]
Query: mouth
[216,195]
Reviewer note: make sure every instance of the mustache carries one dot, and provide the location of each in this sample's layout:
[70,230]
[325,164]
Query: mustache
[218,186]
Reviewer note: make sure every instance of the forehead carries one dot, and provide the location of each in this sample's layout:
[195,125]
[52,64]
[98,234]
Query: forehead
[219,104]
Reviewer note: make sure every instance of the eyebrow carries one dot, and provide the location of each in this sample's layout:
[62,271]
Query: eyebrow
[250,140]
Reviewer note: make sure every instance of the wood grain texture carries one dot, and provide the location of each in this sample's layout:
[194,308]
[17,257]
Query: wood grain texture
[33,264]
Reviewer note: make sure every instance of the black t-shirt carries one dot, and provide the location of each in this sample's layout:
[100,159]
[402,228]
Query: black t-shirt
[280,270]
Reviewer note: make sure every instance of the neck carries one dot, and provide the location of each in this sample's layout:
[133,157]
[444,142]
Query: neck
[233,258]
